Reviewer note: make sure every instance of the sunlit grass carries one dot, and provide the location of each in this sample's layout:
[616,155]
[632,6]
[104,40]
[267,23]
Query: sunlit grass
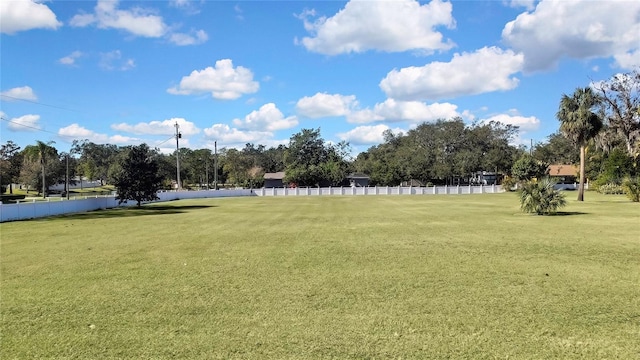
[325,277]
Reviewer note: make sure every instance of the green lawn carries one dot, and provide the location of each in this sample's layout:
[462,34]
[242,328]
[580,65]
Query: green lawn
[412,277]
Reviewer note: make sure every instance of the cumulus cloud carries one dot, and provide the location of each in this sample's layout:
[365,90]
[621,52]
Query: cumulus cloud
[165,127]
[485,70]
[76,131]
[574,29]
[367,135]
[223,82]
[19,93]
[411,111]
[525,123]
[137,21]
[391,26]
[71,58]
[225,134]
[28,122]
[268,118]
[195,37]
[628,60]
[26,15]
[326,105]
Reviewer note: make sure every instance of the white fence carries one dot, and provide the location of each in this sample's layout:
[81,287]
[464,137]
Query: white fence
[59,206]
[380,190]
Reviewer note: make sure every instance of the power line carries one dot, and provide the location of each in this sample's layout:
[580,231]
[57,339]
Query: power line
[37,103]
[36,128]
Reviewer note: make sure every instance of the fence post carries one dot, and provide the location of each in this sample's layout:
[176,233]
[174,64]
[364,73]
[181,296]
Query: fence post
[493,188]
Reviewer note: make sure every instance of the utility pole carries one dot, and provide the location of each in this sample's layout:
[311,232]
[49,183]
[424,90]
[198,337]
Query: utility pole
[206,171]
[67,177]
[215,165]
[178,136]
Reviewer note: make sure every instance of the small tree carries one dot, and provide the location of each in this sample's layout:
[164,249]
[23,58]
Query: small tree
[631,187]
[579,124]
[540,197]
[527,168]
[138,178]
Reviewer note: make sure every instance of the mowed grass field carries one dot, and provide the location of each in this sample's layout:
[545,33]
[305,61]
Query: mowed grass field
[378,277]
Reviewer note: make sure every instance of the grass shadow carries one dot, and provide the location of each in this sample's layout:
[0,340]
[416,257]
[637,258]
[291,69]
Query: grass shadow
[568,213]
[134,211]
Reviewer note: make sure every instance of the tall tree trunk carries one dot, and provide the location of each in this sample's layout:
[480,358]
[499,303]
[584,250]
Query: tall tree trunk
[581,185]
[44,186]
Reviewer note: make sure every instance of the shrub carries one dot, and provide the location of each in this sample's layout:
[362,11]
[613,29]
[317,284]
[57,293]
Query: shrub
[540,197]
[509,183]
[631,187]
[610,189]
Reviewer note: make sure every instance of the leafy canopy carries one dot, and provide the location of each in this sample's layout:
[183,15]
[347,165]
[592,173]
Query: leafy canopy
[137,178]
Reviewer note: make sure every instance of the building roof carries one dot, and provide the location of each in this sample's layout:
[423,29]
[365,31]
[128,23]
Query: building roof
[563,170]
[274,176]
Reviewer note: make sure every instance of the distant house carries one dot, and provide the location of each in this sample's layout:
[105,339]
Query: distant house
[274,180]
[563,174]
[412,183]
[358,180]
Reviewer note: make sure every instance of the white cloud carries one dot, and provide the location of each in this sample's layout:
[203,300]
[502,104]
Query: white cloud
[195,37]
[367,135]
[485,70]
[22,15]
[137,21]
[225,134]
[223,81]
[71,58]
[268,118]
[628,60]
[75,131]
[165,127]
[113,61]
[326,105]
[411,111]
[28,122]
[529,123]
[390,26]
[528,4]
[19,93]
[575,29]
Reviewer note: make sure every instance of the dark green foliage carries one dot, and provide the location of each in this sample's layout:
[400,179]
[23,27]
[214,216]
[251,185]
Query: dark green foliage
[540,197]
[137,177]
[312,162]
[10,163]
[557,150]
[439,152]
[527,168]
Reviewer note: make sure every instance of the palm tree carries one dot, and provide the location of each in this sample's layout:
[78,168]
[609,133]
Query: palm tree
[41,152]
[579,123]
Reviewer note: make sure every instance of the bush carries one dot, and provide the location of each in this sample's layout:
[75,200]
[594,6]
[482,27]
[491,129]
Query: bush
[610,189]
[540,197]
[509,183]
[631,187]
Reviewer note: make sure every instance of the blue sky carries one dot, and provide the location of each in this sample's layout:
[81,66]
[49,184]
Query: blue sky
[124,72]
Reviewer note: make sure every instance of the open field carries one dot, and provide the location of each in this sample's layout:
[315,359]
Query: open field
[352,277]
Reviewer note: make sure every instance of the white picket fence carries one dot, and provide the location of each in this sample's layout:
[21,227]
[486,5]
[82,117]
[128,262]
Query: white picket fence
[380,190]
[32,209]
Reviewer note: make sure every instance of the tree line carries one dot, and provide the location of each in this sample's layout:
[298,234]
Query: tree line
[599,128]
